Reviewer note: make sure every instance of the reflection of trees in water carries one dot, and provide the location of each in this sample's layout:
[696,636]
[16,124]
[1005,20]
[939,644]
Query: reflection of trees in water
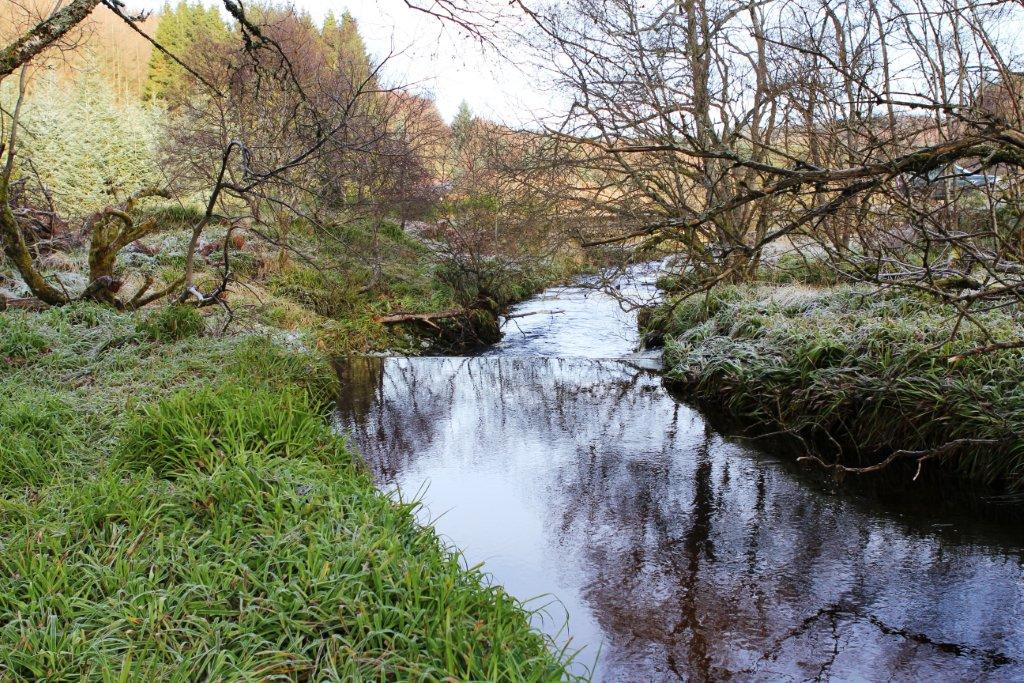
[717,563]
[698,560]
[416,399]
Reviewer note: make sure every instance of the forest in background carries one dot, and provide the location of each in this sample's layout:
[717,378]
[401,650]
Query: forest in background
[872,147]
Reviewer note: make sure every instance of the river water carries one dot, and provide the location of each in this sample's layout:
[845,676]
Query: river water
[660,548]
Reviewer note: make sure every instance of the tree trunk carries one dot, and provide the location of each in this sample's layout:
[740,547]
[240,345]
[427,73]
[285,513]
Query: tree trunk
[17,251]
[45,33]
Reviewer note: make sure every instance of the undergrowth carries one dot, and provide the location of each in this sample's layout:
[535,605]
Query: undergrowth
[181,510]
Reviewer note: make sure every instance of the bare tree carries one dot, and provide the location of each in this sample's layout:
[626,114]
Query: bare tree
[283,130]
[887,135]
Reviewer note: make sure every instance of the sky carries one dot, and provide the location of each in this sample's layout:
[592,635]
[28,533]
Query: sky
[436,58]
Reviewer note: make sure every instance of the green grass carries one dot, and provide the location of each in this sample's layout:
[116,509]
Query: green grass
[18,340]
[869,370]
[172,323]
[380,269]
[182,510]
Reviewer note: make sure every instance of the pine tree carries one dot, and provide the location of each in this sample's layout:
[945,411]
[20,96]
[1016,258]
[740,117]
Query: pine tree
[348,48]
[462,126]
[88,149]
[179,29]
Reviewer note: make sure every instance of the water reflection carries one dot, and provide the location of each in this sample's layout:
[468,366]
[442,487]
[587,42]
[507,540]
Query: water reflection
[680,554]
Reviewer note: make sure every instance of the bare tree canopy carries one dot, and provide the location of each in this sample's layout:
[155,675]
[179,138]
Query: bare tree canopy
[886,134]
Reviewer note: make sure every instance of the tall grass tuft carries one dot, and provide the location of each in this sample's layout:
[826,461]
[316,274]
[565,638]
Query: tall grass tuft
[173,323]
[18,339]
[34,429]
[192,431]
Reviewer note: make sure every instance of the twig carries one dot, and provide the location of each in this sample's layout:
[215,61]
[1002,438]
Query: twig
[1001,346]
[922,456]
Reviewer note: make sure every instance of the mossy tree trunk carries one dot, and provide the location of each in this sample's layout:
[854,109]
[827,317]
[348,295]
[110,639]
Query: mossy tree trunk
[44,34]
[113,229]
[16,249]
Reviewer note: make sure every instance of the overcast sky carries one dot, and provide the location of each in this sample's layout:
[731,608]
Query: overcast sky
[435,58]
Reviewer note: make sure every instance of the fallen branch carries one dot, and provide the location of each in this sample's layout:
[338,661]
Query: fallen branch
[921,457]
[29,303]
[524,315]
[428,318]
[981,350]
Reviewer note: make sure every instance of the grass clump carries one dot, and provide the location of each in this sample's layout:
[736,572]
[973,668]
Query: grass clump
[35,431]
[872,372]
[222,532]
[173,323]
[192,431]
[18,338]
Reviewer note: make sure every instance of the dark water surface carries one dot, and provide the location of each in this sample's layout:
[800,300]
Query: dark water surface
[560,461]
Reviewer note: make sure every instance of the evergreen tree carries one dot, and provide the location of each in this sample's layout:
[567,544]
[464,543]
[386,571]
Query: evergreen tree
[89,150]
[348,49]
[462,126]
[179,29]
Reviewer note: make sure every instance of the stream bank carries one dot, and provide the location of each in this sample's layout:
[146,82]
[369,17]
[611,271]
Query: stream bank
[176,506]
[858,377]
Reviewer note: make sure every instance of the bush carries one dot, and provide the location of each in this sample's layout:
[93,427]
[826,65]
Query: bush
[173,323]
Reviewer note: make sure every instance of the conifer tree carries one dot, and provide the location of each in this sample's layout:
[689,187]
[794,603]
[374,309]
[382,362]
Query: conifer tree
[347,45]
[179,29]
[462,126]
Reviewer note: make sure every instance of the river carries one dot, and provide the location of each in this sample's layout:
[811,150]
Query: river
[660,548]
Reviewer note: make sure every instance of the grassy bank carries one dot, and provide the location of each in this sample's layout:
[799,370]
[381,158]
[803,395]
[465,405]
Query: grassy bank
[858,374]
[175,507]
[332,284]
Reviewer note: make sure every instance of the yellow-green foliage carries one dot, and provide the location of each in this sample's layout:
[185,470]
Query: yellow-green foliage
[89,150]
